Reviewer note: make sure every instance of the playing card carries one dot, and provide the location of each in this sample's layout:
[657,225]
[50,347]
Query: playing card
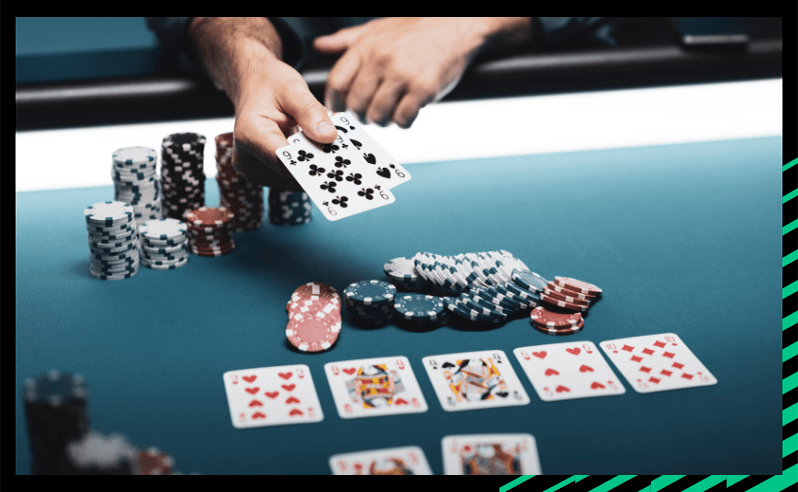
[564,371]
[490,454]
[473,380]
[657,363]
[277,395]
[384,167]
[337,182]
[409,460]
[374,387]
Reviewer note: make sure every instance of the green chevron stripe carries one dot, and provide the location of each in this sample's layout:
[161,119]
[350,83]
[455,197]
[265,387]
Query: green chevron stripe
[789,165]
[515,482]
[789,227]
[789,445]
[789,414]
[733,479]
[789,383]
[660,483]
[790,257]
[706,483]
[778,482]
[789,321]
[789,290]
[790,352]
[611,484]
[560,485]
[789,196]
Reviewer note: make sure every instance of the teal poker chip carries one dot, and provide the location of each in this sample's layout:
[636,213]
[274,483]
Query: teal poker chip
[401,268]
[497,297]
[466,301]
[522,292]
[529,280]
[418,307]
[525,303]
[370,293]
[497,305]
[453,305]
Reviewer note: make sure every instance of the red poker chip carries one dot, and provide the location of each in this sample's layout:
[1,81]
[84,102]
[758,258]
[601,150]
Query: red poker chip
[209,216]
[316,291]
[558,332]
[564,297]
[570,292]
[562,304]
[578,285]
[314,331]
[153,461]
[550,319]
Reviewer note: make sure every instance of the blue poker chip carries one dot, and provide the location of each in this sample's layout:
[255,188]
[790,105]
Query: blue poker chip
[370,293]
[455,307]
[529,280]
[401,268]
[522,292]
[498,305]
[465,300]
[524,303]
[496,297]
[418,307]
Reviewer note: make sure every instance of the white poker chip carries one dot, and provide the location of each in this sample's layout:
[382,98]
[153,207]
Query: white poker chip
[163,229]
[104,212]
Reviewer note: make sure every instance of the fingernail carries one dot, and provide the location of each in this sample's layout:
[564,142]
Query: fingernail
[325,127]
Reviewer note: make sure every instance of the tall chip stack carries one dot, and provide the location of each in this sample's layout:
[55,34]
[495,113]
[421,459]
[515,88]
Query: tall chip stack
[243,198]
[182,175]
[98,454]
[135,182]
[57,413]
[289,208]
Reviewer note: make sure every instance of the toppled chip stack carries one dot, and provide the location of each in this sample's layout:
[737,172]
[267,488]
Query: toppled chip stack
[113,240]
[153,461]
[164,244]
[424,311]
[370,302]
[210,231]
[136,183]
[238,195]
[182,175]
[56,411]
[97,454]
[289,208]
[563,302]
[402,273]
[314,317]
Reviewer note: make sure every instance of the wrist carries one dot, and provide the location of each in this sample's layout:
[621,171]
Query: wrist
[506,32]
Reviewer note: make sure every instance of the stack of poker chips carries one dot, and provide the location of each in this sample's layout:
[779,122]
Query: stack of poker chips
[153,461]
[289,208]
[314,317]
[164,244]
[402,273]
[370,302]
[113,240]
[97,454]
[182,175]
[238,195]
[56,410]
[210,231]
[423,311]
[563,302]
[136,183]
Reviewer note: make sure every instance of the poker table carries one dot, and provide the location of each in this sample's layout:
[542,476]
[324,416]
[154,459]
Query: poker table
[683,237]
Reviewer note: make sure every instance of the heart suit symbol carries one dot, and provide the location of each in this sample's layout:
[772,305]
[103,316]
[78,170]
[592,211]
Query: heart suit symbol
[552,372]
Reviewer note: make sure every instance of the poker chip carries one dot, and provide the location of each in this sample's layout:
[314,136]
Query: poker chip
[153,461]
[475,307]
[289,208]
[370,293]
[420,308]
[98,454]
[210,231]
[403,275]
[529,280]
[453,305]
[315,292]
[551,286]
[182,175]
[563,304]
[113,240]
[571,330]
[243,198]
[133,170]
[314,332]
[551,319]
[578,285]
[563,297]
[164,244]
[522,293]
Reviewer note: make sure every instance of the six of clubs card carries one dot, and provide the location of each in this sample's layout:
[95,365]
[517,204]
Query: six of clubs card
[474,380]
[409,460]
[490,454]
[374,387]
[657,363]
[277,395]
[563,371]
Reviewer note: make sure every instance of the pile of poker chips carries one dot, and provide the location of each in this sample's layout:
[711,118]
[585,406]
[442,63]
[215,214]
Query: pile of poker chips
[314,317]
[289,208]
[236,194]
[56,410]
[164,244]
[403,274]
[370,302]
[210,231]
[562,302]
[97,454]
[424,311]
[153,461]
[113,240]
[182,175]
[456,274]
[135,181]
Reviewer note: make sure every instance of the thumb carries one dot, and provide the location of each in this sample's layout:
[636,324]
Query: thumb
[339,41]
[310,114]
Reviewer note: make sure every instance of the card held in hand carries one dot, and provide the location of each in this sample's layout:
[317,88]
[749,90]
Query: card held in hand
[337,182]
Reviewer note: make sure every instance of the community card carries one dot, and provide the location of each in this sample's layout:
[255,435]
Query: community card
[474,380]
[408,460]
[337,182]
[384,167]
[564,371]
[277,395]
[374,387]
[657,363]
[490,454]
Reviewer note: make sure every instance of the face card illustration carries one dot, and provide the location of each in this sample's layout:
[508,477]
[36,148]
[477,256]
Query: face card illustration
[564,371]
[474,380]
[374,387]
[408,460]
[279,395]
[490,454]
[657,363]
[384,167]
[338,184]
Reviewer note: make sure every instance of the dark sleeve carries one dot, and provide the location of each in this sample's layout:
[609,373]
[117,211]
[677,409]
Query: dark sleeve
[556,31]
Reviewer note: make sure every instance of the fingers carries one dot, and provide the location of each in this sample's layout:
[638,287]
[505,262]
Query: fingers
[338,41]
[408,108]
[340,80]
[385,101]
[299,103]
[250,163]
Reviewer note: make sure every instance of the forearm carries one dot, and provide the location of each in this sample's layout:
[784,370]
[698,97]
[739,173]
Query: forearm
[507,32]
[232,48]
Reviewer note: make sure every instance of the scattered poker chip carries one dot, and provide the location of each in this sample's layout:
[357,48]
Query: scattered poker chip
[512,297]
[499,305]
[570,330]
[153,461]
[562,304]
[570,292]
[578,285]
[475,307]
[418,307]
[551,319]
[453,305]
[370,293]
[529,280]
[563,297]
[315,332]
[236,193]
[289,208]
[522,292]
[402,273]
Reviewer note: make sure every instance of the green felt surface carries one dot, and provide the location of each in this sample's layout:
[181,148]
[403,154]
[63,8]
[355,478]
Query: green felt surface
[682,238]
